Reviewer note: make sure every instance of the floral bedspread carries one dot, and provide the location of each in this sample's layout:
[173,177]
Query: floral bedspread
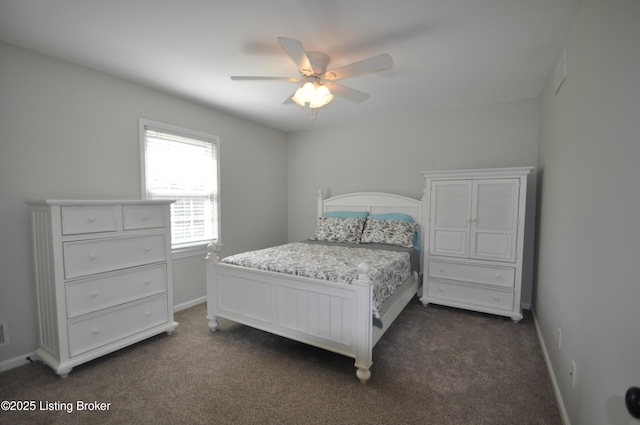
[333,263]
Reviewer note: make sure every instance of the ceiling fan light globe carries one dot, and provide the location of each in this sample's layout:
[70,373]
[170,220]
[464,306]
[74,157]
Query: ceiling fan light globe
[321,98]
[308,91]
[304,94]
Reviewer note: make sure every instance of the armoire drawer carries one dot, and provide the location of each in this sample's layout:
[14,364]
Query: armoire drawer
[485,274]
[143,216]
[82,258]
[468,294]
[111,289]
[89,219]
[103,328]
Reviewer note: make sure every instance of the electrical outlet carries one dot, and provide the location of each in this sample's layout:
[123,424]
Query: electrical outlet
[572,373]
[4,332]
[559,339]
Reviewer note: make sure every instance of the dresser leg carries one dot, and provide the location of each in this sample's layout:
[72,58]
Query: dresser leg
[63,373]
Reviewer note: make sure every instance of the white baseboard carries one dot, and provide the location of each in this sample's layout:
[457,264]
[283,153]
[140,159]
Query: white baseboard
[189,304]
[17,361]
[554,381]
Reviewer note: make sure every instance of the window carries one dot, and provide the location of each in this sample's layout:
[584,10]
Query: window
[182,165]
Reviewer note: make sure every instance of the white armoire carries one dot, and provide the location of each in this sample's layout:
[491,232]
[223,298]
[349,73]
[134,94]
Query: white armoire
[103,277]
[473,249]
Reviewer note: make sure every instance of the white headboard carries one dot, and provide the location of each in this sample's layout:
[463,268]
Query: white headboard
[374,203]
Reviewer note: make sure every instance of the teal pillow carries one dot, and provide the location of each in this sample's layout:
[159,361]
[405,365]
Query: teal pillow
[393,216]
[346,214]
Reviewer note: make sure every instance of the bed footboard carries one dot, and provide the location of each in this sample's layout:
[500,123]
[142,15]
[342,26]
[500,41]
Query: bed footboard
[331,316]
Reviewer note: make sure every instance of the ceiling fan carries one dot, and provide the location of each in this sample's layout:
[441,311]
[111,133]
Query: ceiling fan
[318,84]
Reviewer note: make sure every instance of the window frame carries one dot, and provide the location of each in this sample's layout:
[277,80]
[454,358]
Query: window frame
[189,248]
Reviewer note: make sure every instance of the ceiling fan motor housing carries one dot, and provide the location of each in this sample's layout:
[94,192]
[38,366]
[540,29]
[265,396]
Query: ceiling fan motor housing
[319,62]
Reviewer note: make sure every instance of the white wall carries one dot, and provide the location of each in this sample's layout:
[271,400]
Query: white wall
[69,132]
[388,155]
[588,282]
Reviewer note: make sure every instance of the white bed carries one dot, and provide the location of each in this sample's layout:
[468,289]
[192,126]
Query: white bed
[332,316]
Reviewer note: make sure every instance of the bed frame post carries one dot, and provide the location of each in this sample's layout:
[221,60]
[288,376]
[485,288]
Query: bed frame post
[364,347]
[211,262]
[319,199]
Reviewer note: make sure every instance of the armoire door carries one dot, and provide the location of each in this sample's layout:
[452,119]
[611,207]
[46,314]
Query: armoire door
[494,219]
[450,215]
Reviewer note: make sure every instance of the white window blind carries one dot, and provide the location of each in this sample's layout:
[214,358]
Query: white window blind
[183,166]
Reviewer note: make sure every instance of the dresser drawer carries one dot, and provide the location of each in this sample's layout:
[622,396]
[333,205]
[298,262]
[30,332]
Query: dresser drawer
[82,258]
[474,295]
[92,332]
[491,275]
[89,219]
[108,290]
[143,216]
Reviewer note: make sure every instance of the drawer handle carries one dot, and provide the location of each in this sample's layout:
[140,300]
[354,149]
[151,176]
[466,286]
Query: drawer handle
[95,331]
[441,289]
[147,313]
[91,219]
[93,256]
[441,269]
[94,294]
[498,275]
[145,217]
[147,281]
[147,248]
[496,298]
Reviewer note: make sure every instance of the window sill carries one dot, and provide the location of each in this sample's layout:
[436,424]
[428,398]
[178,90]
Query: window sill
[190,251]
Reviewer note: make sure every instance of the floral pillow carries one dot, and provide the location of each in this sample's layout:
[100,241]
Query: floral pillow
[390,232]
[336,229]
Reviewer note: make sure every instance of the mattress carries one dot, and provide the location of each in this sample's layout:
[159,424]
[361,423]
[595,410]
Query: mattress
[334,262]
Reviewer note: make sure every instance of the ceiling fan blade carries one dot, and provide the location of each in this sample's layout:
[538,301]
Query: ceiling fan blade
[249,78]
[289,99]
[296,52]
[377,63]
[348,93]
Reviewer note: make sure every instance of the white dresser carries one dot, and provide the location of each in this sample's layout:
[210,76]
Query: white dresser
[474,247]
[103,277]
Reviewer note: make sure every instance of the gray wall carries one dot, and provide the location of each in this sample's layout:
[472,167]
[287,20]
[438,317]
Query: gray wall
[388,155]
[68,132]
[588,272]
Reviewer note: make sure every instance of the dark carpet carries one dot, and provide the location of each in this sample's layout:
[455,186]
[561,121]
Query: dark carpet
[435,365]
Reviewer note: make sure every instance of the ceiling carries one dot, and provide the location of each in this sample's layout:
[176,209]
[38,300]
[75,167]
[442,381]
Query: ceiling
[447,53]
